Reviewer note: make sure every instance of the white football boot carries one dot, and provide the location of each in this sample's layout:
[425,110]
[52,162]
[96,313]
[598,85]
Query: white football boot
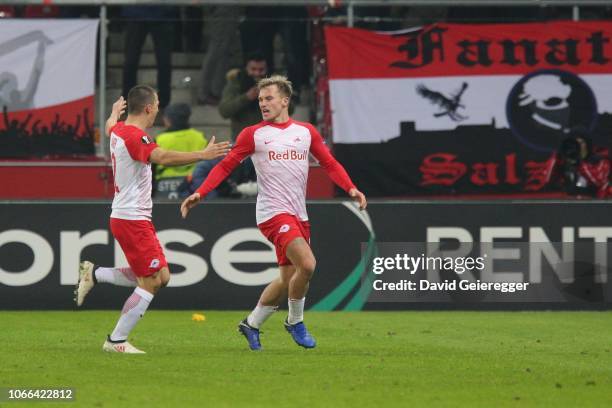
[86,281]
[123,347]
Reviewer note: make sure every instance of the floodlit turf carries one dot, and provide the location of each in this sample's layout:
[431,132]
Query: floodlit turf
[425,359]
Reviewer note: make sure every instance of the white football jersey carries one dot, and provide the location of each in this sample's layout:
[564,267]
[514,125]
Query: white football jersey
[130,148]
[280,156]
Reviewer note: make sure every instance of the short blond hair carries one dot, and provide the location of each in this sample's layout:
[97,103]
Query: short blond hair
[285,87]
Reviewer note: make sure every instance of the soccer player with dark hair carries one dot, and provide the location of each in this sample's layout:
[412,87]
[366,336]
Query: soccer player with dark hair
[279,147]
[132,152]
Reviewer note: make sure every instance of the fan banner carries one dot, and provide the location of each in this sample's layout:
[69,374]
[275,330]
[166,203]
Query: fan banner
[466,108]
[47,72]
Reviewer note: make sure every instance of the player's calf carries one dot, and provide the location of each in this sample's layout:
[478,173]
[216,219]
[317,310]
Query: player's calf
[304,262]
[133,310]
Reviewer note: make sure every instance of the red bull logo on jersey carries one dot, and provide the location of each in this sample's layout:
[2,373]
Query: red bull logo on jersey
[288,155]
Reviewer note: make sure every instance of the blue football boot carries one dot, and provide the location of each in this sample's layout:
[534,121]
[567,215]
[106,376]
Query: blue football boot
[251,334]
[300,334]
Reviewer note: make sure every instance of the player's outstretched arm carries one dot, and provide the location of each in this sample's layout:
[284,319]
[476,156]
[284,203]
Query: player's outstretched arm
[358,197]
[116,112]
[214,150]
[174,158]
[243,148]
[334,169]
[189,203]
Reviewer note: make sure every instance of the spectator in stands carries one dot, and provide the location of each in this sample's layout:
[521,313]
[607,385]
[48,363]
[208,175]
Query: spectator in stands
[239,102]
[159,21]
[223,51]
[192,24]
[179,136]
[582,169]
[226,189]
[260,26]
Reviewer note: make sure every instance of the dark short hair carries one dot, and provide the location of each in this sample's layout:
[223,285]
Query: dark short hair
[140,96]
[254,56]
[178,114]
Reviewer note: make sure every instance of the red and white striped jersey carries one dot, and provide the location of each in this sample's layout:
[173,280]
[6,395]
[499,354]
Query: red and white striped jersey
[130,148]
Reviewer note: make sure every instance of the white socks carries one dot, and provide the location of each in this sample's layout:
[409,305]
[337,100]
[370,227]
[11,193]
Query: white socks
[116,276]
[133,309]
[260,314]
[296,310]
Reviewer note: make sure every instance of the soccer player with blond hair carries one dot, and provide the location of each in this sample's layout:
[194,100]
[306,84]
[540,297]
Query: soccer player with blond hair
[279,147]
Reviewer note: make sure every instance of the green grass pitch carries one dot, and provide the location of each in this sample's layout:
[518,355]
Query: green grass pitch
[383,359]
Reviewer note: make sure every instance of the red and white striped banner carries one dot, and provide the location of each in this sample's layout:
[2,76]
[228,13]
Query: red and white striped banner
[532,77]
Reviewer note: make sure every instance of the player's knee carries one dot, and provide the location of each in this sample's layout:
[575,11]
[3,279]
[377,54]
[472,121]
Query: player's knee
[307,266]
[155,284]
[283,283]
[151,286]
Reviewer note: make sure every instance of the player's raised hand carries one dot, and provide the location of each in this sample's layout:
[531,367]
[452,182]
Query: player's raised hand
[358,196]
[189,203]
[116,112]
[119,107]
[214,150]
